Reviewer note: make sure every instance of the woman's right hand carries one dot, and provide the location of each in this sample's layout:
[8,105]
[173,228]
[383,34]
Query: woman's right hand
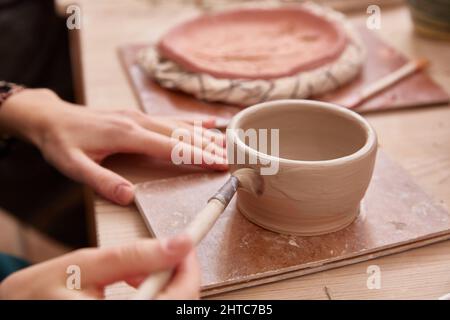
[99,267]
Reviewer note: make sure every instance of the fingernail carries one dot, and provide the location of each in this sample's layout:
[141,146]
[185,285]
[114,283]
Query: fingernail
[222,123]
[124,194]
[209,122]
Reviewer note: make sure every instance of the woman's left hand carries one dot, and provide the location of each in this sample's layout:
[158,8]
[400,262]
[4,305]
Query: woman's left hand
[76,140]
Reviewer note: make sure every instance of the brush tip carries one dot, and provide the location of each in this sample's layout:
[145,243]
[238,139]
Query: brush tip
[250,180]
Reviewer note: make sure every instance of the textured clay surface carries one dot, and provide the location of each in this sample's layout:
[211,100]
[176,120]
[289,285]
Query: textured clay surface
[416,90]
[395,215]
[254,43]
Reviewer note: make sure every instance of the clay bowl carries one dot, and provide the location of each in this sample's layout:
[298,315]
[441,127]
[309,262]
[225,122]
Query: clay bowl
[325,163]
[254,43]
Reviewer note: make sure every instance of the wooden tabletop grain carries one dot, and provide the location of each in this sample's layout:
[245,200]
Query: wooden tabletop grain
[419,139]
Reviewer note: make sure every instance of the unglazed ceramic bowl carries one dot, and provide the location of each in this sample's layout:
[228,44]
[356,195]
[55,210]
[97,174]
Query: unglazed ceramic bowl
[325,162]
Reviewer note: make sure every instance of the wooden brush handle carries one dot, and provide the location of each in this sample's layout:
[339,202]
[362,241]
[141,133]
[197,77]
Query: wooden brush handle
[153,285]
[204,221]
[383,83]
[197,229]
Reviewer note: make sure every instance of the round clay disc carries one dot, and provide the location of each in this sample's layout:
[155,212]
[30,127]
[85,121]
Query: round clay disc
[254,43]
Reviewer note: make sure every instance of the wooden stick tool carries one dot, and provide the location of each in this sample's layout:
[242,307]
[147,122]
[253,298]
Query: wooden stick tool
[246,178]
[385,82]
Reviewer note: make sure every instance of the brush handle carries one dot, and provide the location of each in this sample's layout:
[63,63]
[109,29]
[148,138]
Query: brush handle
[153,285]
[197,229]
[204,221]
[385,82]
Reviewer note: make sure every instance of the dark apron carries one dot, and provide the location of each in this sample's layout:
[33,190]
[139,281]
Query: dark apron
[34,52]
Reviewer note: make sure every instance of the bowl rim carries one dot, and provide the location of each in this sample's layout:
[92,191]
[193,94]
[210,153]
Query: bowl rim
[369,145]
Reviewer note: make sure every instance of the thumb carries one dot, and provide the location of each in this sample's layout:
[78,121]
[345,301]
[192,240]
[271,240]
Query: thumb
[105,182]
[109,265]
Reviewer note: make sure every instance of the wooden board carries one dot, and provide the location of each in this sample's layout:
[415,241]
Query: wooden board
[418,90]
[396,215]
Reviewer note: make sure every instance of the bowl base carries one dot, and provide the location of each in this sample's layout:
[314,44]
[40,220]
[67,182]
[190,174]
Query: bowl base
[319,230]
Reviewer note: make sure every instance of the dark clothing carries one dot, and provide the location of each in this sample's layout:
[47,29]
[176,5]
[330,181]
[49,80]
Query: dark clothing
[10,264]
[34,52]
[34,46]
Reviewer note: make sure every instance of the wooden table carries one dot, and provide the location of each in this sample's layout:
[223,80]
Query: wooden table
[419,139]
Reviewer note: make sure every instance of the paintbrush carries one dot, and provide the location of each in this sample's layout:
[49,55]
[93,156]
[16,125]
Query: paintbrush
[246,178]
[384,83]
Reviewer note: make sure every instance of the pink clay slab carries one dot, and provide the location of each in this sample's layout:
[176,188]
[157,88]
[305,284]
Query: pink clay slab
[254,43]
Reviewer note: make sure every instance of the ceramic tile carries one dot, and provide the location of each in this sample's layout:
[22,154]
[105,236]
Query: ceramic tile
[395,215]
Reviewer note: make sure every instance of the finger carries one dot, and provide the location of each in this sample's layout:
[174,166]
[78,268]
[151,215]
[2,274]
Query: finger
[218,122]
[209,122]
[166,125]
[201,137]
[208,135]
[206,123]
[213,141]
[135,282]
[185,153]
[105,182]
[173,149]
[185,283]
[215,122]
[108,265]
